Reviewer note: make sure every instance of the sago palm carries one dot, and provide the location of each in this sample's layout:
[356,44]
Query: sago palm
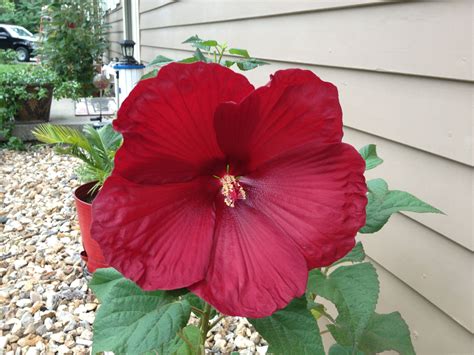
[95,147]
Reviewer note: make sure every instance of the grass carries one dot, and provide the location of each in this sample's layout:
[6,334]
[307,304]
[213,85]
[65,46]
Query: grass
[5,68]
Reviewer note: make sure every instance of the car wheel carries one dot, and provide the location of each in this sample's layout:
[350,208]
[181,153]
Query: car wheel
[22,54]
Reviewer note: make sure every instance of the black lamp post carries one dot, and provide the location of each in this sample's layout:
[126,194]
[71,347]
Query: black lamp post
[127,47]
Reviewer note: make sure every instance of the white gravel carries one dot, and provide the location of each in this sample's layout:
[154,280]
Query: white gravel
[45,304]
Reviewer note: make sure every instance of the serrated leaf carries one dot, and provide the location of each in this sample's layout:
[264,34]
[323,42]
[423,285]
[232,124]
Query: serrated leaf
[133,321]
[193,336]
[319,284]
[357,290]
[160,60]
[102,282]
[198,303]
[249,64]
[241,52]
[369,153]
[382,203]
[150,74]
[338,349]
[292,330]
[193,39]
[356,255]
[386,332]
[199,56]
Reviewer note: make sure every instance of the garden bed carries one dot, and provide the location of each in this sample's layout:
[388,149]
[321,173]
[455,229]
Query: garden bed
[47,307]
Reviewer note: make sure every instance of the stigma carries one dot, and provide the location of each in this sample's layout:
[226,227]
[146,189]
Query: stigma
[231,190]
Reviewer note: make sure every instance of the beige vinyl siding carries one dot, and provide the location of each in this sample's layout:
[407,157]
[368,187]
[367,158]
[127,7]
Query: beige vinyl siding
[114,20]
[404,73]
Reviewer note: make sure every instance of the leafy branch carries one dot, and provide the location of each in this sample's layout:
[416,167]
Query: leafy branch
[210,51]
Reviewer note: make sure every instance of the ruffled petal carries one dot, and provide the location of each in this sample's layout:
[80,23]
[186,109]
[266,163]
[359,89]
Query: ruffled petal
[254,270]
[158,236]
[294,108]
[316,195]
[167,122]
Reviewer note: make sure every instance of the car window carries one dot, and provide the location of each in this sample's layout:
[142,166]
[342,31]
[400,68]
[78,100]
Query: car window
[3,31]
[20,31]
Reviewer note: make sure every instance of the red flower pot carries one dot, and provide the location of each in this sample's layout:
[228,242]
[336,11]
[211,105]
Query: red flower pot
[92,253]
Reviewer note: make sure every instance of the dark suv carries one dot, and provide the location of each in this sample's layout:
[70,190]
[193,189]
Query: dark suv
[19,39]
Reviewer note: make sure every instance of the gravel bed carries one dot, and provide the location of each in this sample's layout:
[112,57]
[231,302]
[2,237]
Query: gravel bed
[45,304]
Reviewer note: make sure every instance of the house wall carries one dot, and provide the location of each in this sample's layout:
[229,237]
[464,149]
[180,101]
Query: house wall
[404,72]
[115,31]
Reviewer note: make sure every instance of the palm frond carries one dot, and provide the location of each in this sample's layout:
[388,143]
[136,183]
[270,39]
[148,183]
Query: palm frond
[96,148]
[54,134]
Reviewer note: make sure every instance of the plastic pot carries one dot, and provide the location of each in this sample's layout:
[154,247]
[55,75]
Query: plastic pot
[92,253]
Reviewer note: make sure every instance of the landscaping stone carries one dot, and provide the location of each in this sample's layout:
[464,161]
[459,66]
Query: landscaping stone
[46,306]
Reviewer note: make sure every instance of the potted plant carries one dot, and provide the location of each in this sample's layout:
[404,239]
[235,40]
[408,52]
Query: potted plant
[96,149]
[26,93]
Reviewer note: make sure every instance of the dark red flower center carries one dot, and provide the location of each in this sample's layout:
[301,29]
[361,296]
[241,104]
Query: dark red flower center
[231,190]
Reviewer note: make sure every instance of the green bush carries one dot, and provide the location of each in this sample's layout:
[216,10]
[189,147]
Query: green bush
[14,82]
[7,57]
[74,41]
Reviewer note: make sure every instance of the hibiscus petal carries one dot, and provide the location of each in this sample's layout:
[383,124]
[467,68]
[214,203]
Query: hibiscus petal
[316,195]
[167,122]
[294,108]
[255,270]
[159,236]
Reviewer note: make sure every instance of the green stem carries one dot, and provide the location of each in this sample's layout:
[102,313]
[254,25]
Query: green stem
[213,324]
[221,53]
[204,324]
[186,340]
[197,311]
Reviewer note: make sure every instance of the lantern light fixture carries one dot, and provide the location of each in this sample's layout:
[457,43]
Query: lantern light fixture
[127,47]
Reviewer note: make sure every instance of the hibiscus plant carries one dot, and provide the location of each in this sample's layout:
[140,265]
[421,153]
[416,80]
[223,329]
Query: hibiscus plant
[207,51]
[235,201]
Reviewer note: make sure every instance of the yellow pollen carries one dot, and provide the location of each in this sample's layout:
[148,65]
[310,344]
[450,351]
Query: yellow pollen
[231,190]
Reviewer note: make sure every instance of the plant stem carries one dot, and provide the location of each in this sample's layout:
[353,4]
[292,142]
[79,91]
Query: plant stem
[204,324]
[186,340]
[213,324]
[197,311]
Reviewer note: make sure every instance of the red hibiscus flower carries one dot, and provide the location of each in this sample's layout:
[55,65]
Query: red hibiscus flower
[232,192]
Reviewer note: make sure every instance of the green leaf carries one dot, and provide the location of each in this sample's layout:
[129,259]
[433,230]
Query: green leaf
[338,349]
[193,39]
[369,153]
[133,321]
[319,284]
[103,280]
[198,303]
[241,52]
[292,330]
[160,60]
[229,63]
[386,332]
[151,74]
[356,255]
[188,60]
[193,336]
[208,43]
[249,64]
[382,203]
[355,297]
[199,56]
